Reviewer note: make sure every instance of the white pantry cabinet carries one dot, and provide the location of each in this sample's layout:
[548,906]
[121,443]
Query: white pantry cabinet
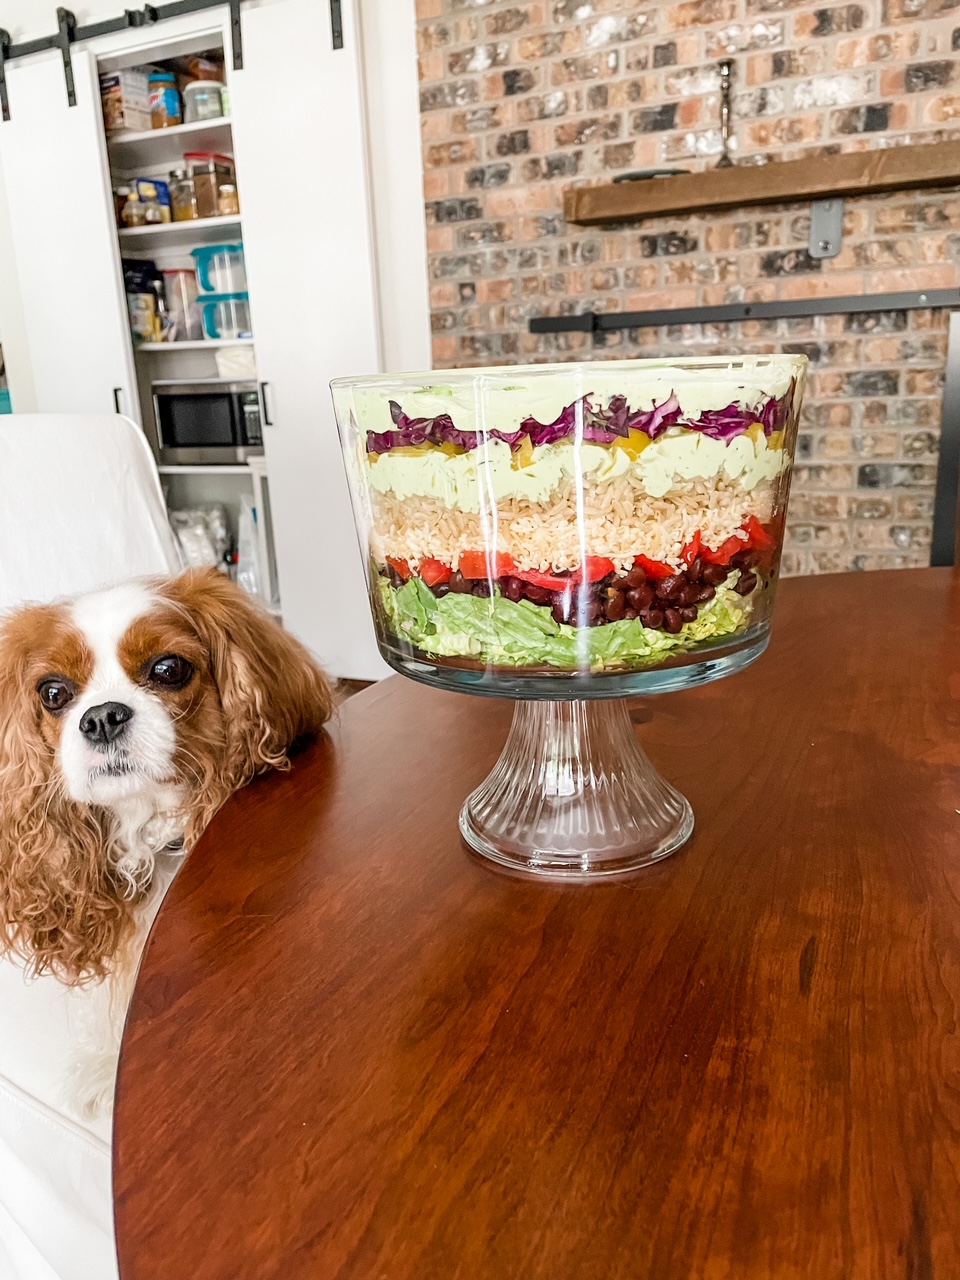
[298,128]
[62,225]
[297,131]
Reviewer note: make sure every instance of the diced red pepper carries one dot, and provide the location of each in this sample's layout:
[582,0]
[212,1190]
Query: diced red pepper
[725,552]
[692,549]
[401,567]
[655,569]
[478,564]
[434,571]
[593,569]
[760,539]
[548,581]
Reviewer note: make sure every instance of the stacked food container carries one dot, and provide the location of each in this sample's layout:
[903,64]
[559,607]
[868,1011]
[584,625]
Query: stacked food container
[223,298]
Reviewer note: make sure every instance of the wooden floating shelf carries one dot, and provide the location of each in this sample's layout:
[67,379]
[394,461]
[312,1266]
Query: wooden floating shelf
[782,182]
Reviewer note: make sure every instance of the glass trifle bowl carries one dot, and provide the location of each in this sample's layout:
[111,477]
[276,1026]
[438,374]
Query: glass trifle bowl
[567,536]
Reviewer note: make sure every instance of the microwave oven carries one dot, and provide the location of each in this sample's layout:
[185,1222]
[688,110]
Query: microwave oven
[207,421]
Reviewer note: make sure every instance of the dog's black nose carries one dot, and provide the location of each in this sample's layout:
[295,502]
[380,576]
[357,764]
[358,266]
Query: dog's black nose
[102,724]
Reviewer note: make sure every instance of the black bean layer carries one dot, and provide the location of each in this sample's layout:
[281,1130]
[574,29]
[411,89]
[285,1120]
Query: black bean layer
[661,605]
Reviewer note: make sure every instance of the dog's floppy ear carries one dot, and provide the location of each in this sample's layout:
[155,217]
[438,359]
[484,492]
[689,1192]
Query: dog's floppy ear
[271,690]
[61,908]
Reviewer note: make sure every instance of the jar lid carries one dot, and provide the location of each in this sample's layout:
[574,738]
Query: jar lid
[166,76]
[197,85]
[179,271]
[208,155]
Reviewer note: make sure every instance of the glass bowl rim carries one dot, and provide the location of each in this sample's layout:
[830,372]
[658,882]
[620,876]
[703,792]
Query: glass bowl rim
[435,377]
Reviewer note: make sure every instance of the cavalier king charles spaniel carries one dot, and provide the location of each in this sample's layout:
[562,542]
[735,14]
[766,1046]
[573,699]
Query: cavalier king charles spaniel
[127,717]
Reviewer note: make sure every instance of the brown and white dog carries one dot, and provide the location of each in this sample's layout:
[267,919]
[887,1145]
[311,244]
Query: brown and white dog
[127,717]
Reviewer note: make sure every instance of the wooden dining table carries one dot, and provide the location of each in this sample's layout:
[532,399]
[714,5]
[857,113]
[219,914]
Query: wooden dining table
[357,1052]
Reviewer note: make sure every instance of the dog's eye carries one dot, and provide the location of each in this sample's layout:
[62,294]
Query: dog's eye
[170,672]
[56,695]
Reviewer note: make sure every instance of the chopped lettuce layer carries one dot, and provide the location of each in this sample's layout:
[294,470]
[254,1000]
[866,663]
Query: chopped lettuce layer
[505,633]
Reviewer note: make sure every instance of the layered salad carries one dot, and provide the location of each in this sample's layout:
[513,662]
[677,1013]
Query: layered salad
[589,518]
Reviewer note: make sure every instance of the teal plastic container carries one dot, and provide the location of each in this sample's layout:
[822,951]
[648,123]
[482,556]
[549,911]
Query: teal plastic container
[220,268]
[225,315]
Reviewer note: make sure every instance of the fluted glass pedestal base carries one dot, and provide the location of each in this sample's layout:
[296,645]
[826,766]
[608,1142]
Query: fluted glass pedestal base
[574,795]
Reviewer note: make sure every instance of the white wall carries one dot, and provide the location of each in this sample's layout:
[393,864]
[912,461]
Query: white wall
[392,97]
[393,130]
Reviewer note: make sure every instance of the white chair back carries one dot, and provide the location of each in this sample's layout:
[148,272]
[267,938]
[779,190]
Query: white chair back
[80,508]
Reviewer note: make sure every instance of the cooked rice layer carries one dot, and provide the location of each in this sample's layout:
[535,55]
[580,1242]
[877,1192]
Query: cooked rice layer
[620,521]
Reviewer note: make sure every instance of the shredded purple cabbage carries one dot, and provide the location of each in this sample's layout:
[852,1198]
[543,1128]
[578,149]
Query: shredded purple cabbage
[438,430]
[599,426]
[603,426]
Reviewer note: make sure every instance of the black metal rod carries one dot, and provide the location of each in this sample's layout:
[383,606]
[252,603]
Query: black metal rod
[106,28]
[26,47]
[601,321]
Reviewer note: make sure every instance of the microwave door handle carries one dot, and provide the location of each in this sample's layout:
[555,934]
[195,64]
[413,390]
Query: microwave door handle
[267,420]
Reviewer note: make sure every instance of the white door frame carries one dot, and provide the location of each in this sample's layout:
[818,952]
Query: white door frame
[391,93]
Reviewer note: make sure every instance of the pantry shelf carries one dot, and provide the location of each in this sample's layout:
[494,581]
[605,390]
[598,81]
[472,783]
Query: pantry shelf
[175,235]
[201,469]
[209,344]
[133,151]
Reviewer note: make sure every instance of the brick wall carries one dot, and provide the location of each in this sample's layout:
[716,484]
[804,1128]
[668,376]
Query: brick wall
[519,100]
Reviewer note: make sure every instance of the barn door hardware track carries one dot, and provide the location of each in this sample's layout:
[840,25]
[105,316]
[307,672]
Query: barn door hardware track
[69,33]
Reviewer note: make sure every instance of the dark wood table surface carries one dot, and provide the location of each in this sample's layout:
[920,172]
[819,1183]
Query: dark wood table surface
[356,1052]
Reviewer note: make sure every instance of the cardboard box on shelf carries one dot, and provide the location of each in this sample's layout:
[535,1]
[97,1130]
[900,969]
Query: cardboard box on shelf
[126,99]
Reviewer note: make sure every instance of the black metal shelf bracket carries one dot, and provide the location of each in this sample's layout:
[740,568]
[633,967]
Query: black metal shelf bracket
[336,23]
[5,45]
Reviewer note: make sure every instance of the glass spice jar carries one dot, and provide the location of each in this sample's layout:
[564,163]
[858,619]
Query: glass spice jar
[134,214]
[228,200]
[183,196]
[208,171]
[120,197]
